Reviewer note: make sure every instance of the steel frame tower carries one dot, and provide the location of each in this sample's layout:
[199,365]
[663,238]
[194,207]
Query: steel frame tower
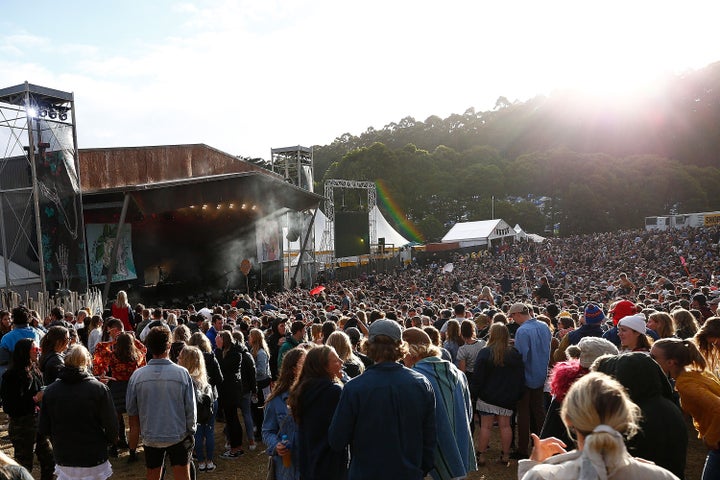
[41,218]
[330,186]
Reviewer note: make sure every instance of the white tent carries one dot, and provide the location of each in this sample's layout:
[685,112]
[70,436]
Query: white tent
[382,227]
[471,234]
[19,275]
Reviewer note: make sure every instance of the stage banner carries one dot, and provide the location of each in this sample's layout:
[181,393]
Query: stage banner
[101,238]
[60,207]
[268,235]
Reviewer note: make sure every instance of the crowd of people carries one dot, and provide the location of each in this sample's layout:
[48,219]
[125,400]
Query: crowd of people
[584,352]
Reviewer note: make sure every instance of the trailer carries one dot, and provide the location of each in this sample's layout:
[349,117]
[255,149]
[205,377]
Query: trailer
[666,222]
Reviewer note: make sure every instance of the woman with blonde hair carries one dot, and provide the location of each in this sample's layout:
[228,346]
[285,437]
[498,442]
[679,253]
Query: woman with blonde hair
[352,366]
[598,412]
[662,324]
[684,322]
[79,434]
[121,310]
[707,339]
[699,393]
[193,360]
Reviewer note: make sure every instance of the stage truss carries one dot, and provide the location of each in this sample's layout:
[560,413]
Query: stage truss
[327,247]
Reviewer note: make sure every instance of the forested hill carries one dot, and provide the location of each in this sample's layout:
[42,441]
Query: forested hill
[604,164]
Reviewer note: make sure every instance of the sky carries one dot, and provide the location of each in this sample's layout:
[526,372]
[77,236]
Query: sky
[246,76]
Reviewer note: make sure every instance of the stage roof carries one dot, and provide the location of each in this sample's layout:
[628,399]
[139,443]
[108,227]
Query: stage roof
[167,178]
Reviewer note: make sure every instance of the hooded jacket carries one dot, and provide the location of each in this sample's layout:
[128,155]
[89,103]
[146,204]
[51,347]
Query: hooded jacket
[78,414]
[662,437]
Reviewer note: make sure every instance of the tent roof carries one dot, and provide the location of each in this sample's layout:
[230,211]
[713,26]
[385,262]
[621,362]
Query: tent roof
[384,229]
[483,229]
[19,275]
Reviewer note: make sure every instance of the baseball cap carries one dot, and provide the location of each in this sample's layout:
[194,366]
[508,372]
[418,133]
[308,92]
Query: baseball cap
[389,328]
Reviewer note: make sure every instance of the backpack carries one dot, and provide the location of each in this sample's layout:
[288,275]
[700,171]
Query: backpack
[205,403]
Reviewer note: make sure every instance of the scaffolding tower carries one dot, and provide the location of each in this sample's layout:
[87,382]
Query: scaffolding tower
[42,233]
[295,165]
[327,243]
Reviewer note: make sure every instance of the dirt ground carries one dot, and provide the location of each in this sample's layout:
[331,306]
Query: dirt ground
[253,465]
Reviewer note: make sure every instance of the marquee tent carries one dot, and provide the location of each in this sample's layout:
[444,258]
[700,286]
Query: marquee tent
[471,234]
[18,274]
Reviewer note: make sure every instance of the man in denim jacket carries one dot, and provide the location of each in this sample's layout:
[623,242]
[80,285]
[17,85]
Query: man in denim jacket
[161,405]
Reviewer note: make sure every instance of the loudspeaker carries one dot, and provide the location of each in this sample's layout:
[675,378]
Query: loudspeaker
[352,234]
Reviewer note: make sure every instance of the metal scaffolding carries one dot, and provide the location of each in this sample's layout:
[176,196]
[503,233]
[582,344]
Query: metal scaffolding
[327,243]
[41,225]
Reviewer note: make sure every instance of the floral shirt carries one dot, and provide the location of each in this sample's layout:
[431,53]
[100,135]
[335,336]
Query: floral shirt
[106,363]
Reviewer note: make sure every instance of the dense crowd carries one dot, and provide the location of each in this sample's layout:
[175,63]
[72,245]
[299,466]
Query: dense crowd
[592,345]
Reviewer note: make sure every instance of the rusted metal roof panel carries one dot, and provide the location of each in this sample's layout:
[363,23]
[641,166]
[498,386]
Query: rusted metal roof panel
[111,168]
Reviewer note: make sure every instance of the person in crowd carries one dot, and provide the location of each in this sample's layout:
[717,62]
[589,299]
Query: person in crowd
[312,403]
[699,393]
[454,451]
[618,311]
[5,322]
[161,405]
[662,434]
[590,326]
[631,331]
[662,324]
[498,384]
[52,348]
[707,339]
[533,341]
[21,392]
[352,366]
[21,328]
[192,359]
[467,353]
[215,379]
[279,431]
[263,377]
[79,435]
[180,336]
[391,395]
[295,338]
[699,302]
[684,323]
[562,377]
[453,339]
[114,363]
[95,335]
[358,344]
[274,340]
[229,357]
[597,411]
[249,387]
[121,310]
[435,337]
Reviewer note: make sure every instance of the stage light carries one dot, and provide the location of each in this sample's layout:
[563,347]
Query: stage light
[192,206]
[254,206]
[244,206]
[31,112]
[43,113]
[52,114]
[63,116]
[232,205]
[204,207]
[218,206]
